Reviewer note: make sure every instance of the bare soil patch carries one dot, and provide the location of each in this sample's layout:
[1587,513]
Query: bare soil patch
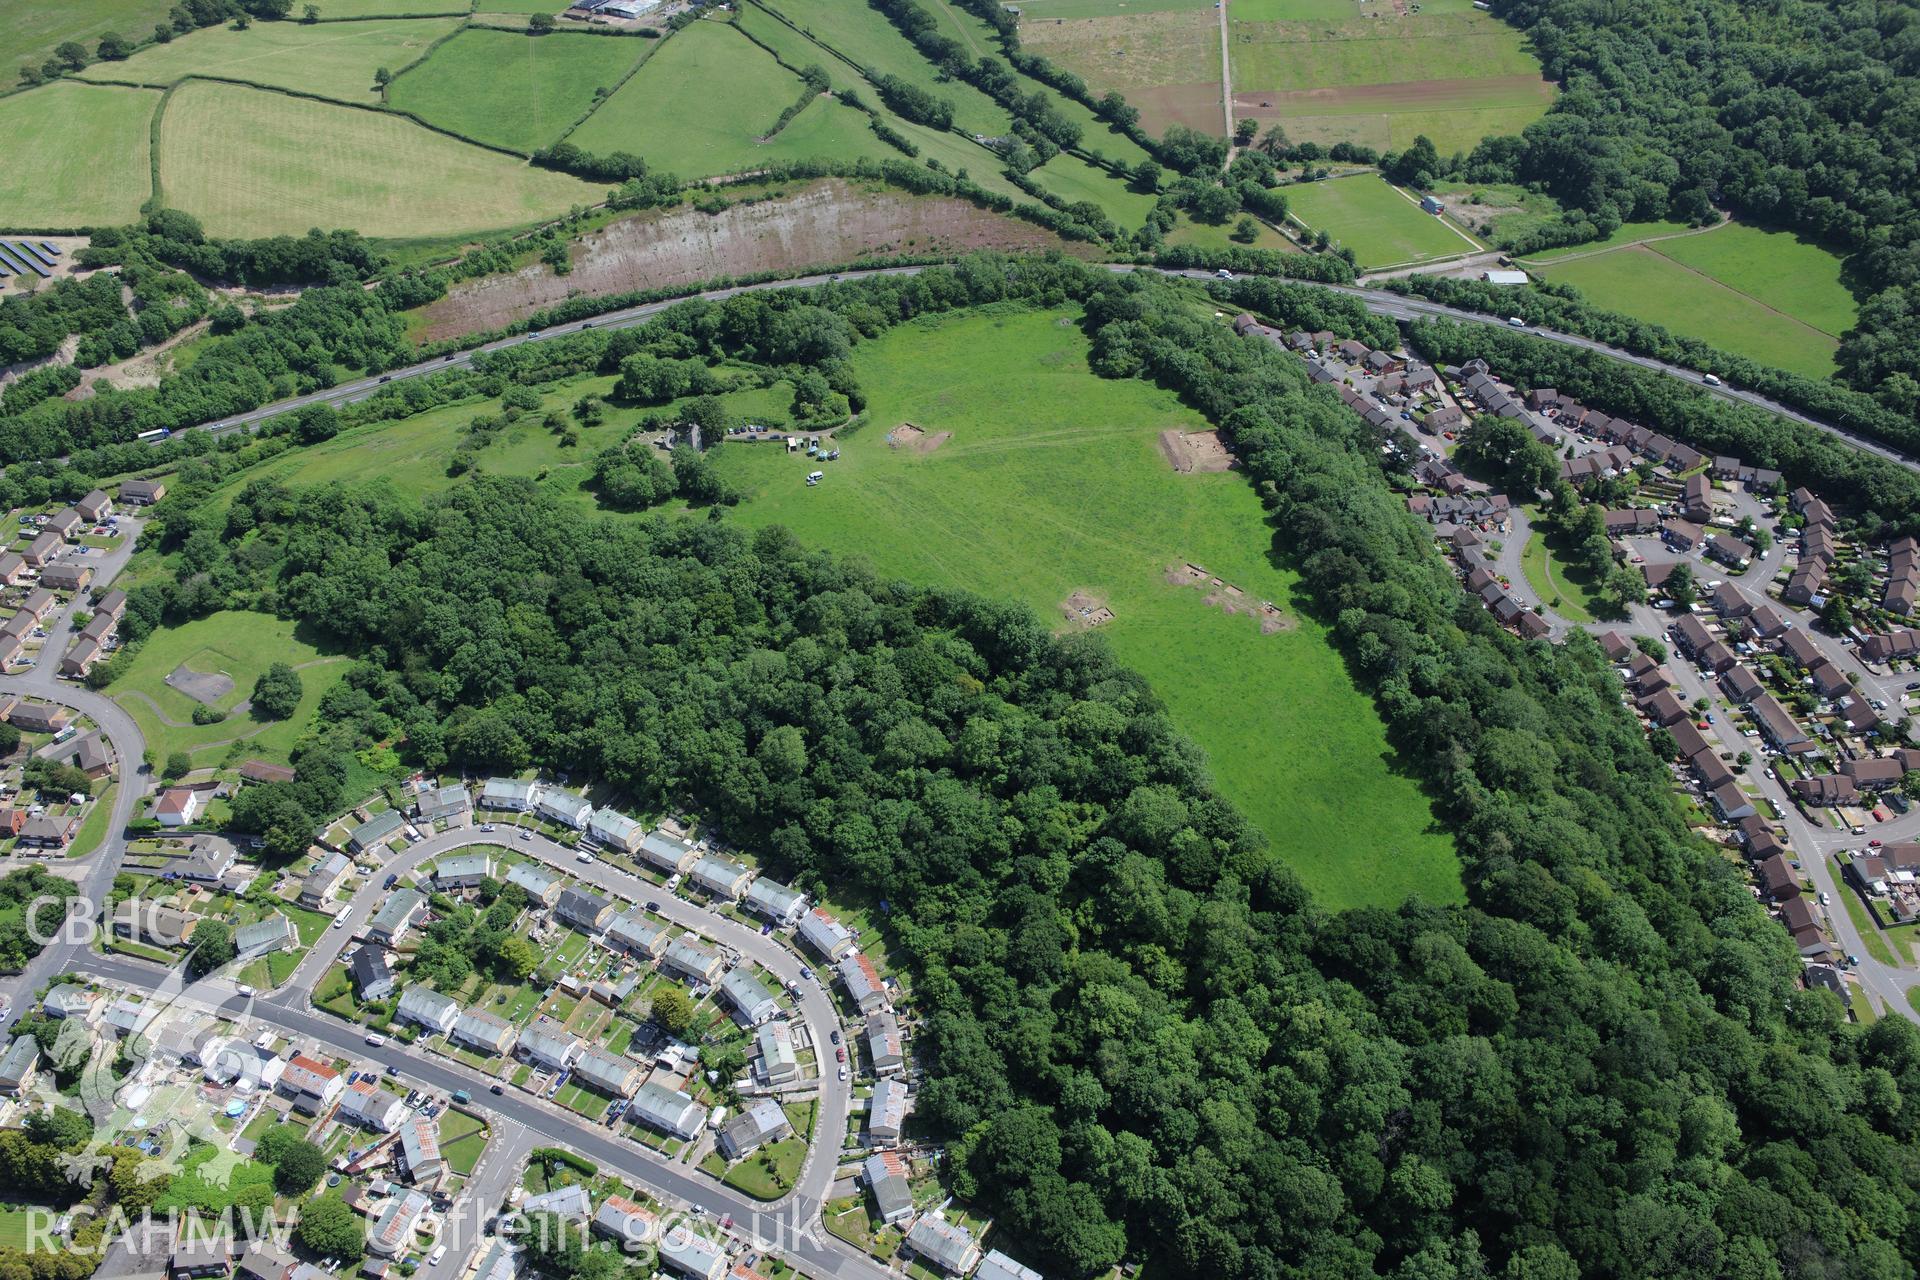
[917,439]
[1230,599]
[1084,609]
[1196,106]
[1190,451]
[825,222]
[201,686]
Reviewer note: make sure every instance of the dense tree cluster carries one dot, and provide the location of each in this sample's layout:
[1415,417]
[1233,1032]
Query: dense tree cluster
[1141,1037]
[177,239]
[462,940]
[29,890]
[277,692]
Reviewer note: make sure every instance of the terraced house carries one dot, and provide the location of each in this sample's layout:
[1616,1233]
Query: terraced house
[483,1031]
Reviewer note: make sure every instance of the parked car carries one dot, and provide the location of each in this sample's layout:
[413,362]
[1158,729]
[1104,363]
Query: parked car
[375,1039]
[653,905]
[835,1036]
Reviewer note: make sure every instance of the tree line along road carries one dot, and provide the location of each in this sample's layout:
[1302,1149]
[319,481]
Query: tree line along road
[1381,302]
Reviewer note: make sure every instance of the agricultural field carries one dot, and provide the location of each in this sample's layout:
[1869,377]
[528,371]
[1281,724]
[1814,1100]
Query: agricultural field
[221,655]
[1381,225]
[1072,179]
[330,59]
[695,134]
[253,163]
[1456,77]
[1626,233]
[538,87]
[863,36]
[29,33]
[1037,11]
[1764,295]
[1166,60]
[73,155]
[1054,485]
[334,10]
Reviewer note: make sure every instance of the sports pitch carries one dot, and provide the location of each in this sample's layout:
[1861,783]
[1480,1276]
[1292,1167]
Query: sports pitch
[249,162]
[537,87]
[1053,482]
[1382,226]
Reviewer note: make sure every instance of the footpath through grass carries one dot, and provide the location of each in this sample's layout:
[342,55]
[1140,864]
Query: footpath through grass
[1054,482]
[238,646]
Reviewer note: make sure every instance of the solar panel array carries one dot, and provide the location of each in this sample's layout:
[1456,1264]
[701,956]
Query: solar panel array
[20,260]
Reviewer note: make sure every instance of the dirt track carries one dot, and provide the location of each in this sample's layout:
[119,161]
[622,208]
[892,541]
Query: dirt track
[824,222]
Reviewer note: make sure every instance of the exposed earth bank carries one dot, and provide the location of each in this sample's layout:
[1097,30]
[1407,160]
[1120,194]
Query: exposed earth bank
[825,222]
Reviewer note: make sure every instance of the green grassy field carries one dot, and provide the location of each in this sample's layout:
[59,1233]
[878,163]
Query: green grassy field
[241,645]
[537,86]
[865,36]
[1072,179]
[1773,268]
[1381,226]
[17,1227]
[1562,588]
[74,155]
[1187,231]
[1643,282]
[1627,233]
[29,32]
[252,163]
[1050,9]
[1333,75]
[331,10]
[1054,482]
[661,114]
[331,59]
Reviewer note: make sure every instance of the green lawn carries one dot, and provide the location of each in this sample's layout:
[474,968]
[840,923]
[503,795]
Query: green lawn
[95,827]
[331,59]
[1054,482]
[768,1173]
[537,86]
[240,645]
[1862,918]
[1565,589]
[1644,282]
[73,155]
[669,113]
[18,1226]
[1381,225]
[462,1139]
[252,163]
[1110,8]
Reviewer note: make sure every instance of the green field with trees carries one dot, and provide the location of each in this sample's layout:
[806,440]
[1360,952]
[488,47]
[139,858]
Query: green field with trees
[32,32]
[69,128]
[332,59]
[1054,482]
[1641,281]
[252,163]
[669,113]
[1143,1042]
[537,87]
[242,647]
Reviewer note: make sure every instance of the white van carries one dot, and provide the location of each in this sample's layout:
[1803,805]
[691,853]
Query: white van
[1710,379]
[1516,322]
[815,477]
[439,1252]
